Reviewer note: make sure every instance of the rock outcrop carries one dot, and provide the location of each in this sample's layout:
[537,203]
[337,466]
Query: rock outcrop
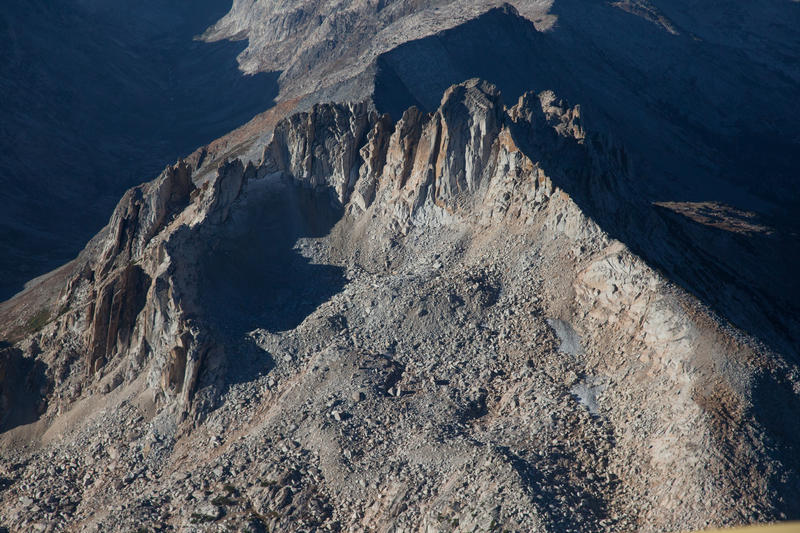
[407,326]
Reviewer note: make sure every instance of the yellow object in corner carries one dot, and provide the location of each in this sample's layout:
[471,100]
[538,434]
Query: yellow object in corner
[782,527]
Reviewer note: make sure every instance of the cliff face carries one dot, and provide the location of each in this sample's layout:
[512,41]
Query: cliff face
[461,160]
[407,326]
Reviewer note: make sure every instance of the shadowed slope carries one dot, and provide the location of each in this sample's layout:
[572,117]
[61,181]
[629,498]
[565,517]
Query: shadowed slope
[98,97]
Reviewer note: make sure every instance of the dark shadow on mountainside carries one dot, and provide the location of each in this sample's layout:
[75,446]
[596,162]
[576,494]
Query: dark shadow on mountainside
[98,97]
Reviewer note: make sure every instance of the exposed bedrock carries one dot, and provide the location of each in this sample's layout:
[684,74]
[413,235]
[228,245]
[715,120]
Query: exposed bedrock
[422,310]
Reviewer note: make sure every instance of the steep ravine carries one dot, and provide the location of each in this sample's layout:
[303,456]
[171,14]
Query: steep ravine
[388,326]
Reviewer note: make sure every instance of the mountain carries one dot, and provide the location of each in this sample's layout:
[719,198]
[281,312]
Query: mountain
[481,267]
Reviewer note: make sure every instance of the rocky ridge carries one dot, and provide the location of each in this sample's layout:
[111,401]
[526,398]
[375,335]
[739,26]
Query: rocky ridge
[391,327]
[299,39]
